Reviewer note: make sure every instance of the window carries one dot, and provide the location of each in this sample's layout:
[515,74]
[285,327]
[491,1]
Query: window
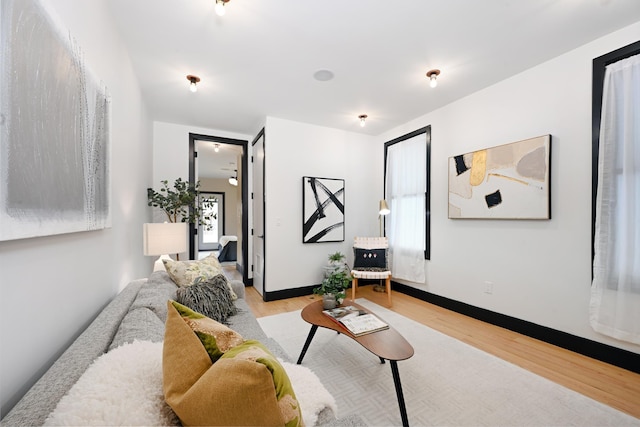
[615,299]
[407,164]
[208,240]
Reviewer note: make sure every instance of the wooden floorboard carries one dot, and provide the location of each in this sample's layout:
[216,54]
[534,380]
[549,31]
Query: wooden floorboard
[613,386]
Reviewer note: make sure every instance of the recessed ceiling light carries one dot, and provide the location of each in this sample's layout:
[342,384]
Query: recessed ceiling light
[323,75]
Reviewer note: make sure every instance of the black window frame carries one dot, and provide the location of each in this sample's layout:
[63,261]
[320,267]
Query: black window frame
[427,131]
[599,67]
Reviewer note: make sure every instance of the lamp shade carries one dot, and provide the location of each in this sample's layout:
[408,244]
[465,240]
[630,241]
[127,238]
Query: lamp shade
[384,208]
[164,238]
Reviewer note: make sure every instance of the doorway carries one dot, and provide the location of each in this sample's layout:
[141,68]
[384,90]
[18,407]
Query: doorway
[240,210]
[258,234]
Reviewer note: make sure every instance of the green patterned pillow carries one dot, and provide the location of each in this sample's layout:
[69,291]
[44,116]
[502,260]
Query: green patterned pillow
[215,337]
[255,351]
[186,273]
[211,259]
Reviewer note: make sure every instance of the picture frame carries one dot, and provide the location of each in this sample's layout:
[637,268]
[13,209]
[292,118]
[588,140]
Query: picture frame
[323,205]
[510,181]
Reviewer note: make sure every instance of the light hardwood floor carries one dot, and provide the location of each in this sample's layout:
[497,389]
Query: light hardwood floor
[613,386]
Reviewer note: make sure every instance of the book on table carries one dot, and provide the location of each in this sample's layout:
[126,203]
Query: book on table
[356,321]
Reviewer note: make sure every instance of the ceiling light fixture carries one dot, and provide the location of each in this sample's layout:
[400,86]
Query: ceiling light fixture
[433,77]
[220,10]
[194,81]
[216,147]
[234,179]
[363,118]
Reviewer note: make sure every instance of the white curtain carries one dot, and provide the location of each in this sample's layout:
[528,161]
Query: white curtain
[405,192]
[615,298]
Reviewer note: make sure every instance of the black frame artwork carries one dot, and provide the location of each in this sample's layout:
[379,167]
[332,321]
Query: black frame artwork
[322,210]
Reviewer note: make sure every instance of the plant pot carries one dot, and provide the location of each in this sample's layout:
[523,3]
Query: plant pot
[329,301]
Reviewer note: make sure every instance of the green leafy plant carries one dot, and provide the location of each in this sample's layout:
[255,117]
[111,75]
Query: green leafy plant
[335,284]
[337,257]
[180,203]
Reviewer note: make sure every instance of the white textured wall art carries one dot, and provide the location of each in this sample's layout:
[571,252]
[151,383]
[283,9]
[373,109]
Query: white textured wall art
[54,129]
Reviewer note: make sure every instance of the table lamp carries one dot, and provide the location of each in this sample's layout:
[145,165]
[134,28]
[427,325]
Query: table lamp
[162,239]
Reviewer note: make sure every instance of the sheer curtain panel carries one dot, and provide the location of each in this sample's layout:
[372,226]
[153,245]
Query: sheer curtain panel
[615,296]
[405,190]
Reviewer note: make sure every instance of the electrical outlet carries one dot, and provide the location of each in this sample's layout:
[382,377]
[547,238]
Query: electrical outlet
[488,287]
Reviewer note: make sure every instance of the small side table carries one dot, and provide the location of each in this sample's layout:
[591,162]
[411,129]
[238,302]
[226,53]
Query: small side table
[387,344]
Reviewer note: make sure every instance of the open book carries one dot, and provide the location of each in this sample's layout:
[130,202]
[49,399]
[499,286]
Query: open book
[358,322]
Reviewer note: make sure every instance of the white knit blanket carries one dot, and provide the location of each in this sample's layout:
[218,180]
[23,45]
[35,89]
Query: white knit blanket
[124,387]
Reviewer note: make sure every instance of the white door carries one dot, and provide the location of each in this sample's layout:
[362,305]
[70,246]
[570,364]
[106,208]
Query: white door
[258,214]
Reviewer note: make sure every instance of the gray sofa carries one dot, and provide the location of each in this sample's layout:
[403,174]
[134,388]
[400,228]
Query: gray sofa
[138,312]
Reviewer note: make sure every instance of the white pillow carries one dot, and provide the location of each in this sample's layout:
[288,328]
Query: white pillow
[122,387]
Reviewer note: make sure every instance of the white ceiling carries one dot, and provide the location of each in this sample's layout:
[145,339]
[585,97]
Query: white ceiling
[217,164]
[259,59]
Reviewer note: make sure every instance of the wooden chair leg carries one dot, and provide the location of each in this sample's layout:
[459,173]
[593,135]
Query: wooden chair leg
[354,286]
[388,284]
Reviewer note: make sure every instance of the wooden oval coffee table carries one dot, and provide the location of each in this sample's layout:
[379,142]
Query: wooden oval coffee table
[387,344]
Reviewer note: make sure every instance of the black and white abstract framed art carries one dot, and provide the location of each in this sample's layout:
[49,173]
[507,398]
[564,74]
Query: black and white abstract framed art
[322,210]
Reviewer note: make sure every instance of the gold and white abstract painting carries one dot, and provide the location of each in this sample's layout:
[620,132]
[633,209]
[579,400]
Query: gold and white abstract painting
[510,181]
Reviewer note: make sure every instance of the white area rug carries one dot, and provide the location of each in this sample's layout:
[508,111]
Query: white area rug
[445,383]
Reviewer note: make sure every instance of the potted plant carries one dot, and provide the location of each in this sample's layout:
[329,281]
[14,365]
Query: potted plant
[182,203]
[333,288]
[336,259]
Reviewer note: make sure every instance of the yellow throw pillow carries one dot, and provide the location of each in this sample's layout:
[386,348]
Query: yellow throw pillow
[232,391]
[255,351]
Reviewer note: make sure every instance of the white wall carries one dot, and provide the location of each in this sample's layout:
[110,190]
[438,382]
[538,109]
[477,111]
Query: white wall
[52,287]
[541,270]
[171,155]
[294,150]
